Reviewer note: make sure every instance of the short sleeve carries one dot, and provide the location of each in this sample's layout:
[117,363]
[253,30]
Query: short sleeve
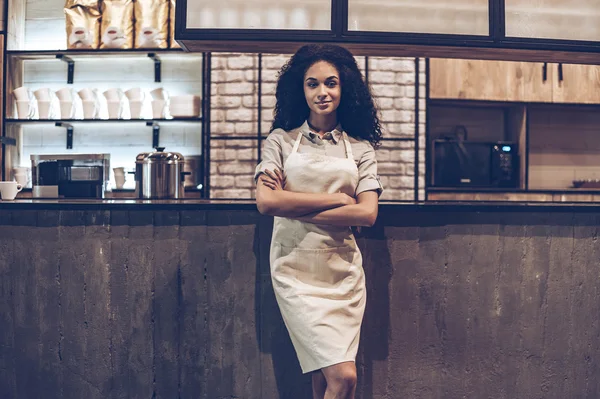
[272,157]
[367,173]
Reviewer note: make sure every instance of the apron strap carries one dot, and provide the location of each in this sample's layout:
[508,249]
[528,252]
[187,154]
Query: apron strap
[349,153]
[297,143]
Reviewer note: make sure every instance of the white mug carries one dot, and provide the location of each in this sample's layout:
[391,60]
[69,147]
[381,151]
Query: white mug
[9,190]
[22,93]
[159,108]
[44,94]
[65,94]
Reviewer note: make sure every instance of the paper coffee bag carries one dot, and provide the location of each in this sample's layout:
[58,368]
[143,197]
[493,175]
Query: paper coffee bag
[151,23]
[117,24]
[83,23]
[172,42]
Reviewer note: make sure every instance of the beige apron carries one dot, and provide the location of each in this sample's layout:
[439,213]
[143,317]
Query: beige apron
[317,269]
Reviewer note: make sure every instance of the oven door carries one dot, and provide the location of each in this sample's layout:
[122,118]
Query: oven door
[461,164]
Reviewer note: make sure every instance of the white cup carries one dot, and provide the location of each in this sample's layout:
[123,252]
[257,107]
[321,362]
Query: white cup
[21,178]
[24,109]
[22,94]
[66,109]
[9,190]
[159,94]
[136,109]
[44,109]
[87,94]
[159,108]
[119,171]
[65,94]
[120,181]
[113,94]
[43,94]
[135,94]
[119,177]
[89,109]
[114,109]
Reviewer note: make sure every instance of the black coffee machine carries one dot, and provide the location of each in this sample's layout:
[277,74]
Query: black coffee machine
[70,175]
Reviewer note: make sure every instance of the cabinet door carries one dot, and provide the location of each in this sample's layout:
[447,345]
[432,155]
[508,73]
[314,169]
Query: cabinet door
[553,19]
[459,17]
[259,14]
[580,84]
[489,80]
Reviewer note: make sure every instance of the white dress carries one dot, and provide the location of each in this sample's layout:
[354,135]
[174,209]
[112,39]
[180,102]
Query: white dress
[316,270]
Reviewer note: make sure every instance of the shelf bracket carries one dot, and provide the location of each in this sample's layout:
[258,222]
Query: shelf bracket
[70,67]
[69,133]
[8,141]
[155,133]
[157,66]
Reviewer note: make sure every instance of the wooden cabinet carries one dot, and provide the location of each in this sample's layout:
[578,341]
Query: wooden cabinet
[576,84]
[489,80]
[533,82]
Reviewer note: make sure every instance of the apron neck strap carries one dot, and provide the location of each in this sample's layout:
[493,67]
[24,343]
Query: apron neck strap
[349,153]
[297,143]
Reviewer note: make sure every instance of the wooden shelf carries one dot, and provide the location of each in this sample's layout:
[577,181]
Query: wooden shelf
[104,53]
[35,121]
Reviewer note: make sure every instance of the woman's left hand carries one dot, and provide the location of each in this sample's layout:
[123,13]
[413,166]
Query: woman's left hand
[273,180]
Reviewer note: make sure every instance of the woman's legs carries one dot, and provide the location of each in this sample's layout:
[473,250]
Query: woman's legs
[341,381]
[319,384]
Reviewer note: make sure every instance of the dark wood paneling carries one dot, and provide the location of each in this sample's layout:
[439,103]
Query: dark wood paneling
[126,304]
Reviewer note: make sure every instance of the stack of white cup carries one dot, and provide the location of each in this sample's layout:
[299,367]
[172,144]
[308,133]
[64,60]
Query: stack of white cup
[115,103]
[67,100]
[119,177]
[21,175]
[25,103]
[136,102]
[90,105]
[44,102]
[160,103]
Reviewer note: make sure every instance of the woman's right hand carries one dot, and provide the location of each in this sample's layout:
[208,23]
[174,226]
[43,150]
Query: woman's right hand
[274,180]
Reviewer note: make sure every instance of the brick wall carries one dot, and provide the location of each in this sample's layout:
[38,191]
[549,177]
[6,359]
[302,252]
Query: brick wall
[234,113]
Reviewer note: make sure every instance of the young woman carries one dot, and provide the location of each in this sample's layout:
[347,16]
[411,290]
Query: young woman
[318,177]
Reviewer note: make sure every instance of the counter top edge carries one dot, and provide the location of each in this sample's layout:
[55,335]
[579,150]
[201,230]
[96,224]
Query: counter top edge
[245,205]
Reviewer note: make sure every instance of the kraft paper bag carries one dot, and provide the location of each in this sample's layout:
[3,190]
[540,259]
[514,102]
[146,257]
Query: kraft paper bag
[151,23]
[172,42]
[117,24]
[83,23]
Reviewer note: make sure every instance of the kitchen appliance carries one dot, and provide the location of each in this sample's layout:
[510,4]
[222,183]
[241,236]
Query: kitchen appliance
[159,175]
[461,163]
[70,175]
[194,164]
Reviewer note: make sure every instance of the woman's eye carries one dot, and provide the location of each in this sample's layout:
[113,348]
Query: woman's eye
[312,85]
[331,84]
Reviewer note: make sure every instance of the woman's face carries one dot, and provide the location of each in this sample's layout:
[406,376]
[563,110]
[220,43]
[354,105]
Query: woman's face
[322,88]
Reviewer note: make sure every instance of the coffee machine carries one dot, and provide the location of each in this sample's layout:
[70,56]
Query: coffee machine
[70,175]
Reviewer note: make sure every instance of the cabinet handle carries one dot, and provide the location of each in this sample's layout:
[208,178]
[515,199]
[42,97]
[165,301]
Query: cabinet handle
[560,72]
[545,71]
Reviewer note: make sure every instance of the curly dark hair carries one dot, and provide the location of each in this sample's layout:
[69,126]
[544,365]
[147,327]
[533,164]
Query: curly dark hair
[357,112]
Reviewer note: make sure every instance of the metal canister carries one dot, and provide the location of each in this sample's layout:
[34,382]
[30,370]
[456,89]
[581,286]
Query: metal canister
[159,175]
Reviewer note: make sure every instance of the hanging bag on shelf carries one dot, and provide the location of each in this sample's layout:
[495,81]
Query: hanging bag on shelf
[172,42]
[151,23]
[117,24]
[83,23]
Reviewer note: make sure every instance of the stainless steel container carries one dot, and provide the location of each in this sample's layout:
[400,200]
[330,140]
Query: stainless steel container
[159,175]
